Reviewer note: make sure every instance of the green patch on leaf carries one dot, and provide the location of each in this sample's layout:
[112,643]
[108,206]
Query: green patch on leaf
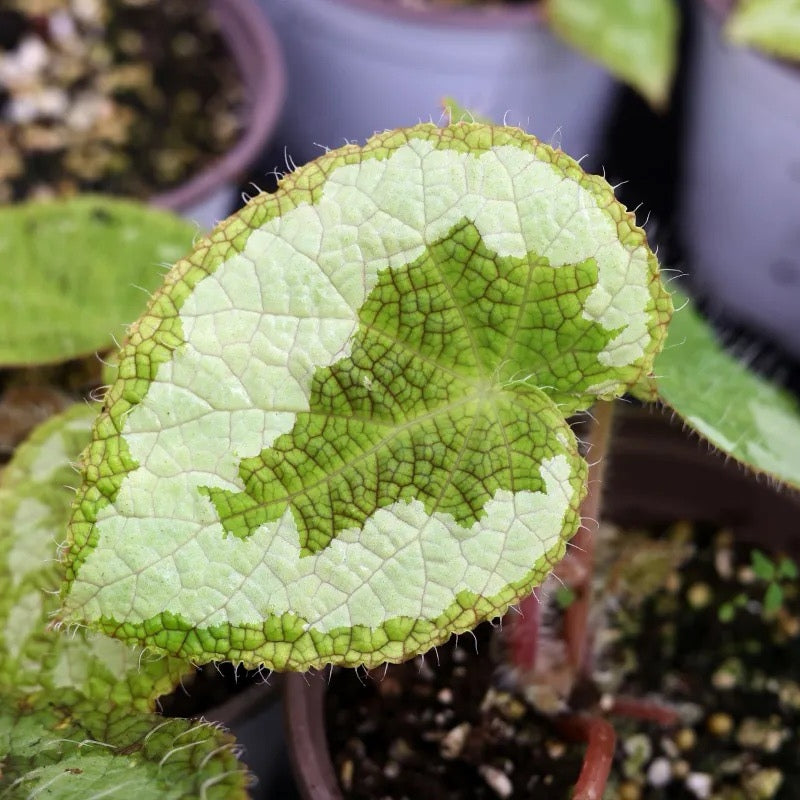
[636,41]
[772,26]
[76,271]
[739,412]
[339,430]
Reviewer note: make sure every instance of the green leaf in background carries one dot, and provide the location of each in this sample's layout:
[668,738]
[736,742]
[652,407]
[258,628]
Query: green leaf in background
[772,26]
[762,566]
[787,569]
[636,40]
[773,598]
[739,412]
[339,431]
[69,272]
[34,510]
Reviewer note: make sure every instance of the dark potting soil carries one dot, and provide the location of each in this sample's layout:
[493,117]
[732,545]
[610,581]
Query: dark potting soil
[126,97]
[720,641]
[437,728]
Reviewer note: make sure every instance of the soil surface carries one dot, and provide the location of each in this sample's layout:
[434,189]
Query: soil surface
[693,620]
[436,727]
[719,639]
[121,96]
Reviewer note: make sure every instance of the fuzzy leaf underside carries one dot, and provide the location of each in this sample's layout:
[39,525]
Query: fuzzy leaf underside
[339,431]
[74,721]
[34,509]
[739,412]
[636,41]
[78,264]
[87,751]
[772,26]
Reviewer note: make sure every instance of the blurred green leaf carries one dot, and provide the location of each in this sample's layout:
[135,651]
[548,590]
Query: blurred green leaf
[773,598]
[636,41]
[772,26]
[762,566]
[739,412]
[74,273]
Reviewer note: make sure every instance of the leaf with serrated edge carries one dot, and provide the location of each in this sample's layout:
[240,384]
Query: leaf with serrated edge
[34,508]
[74,272]
[85,751]
[339,430]
[636,41]
[741,413]
[772,26]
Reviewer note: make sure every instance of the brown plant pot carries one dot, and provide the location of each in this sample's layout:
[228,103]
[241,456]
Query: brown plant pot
[655,473]
[208,196]
[304,703]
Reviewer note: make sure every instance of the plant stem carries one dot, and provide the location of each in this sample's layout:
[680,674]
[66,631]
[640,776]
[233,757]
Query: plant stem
[523,628]
[576,616]
[600,739]
[524,633]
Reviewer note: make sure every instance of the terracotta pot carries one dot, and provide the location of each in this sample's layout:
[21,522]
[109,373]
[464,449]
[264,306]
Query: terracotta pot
[211,194]
[740,194]
[655,473]
[357,66]
[304,701]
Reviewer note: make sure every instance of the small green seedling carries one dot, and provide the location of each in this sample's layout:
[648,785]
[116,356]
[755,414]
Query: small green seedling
[340,431]
[775,574]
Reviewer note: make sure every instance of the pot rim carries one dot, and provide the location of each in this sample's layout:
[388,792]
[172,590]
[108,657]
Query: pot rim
[496,15]
[255,48]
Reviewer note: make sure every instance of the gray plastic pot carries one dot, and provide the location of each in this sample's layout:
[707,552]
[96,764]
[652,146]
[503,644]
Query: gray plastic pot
[360,66]
[740,208]
[211,194]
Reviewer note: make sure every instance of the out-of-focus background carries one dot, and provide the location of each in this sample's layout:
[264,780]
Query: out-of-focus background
[189,105]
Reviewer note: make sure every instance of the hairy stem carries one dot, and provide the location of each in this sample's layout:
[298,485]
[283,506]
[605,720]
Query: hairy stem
[576,616]
[578,568]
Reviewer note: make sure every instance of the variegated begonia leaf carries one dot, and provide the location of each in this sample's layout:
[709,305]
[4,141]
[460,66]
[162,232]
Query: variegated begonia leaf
[338,433]
[87,752]
[741,413]
[772,26]
[72,273]
[74,721]
[636,41]
[34,509]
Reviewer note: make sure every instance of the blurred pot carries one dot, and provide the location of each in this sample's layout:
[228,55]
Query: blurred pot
[357,66]
[212,194]
[740,209]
